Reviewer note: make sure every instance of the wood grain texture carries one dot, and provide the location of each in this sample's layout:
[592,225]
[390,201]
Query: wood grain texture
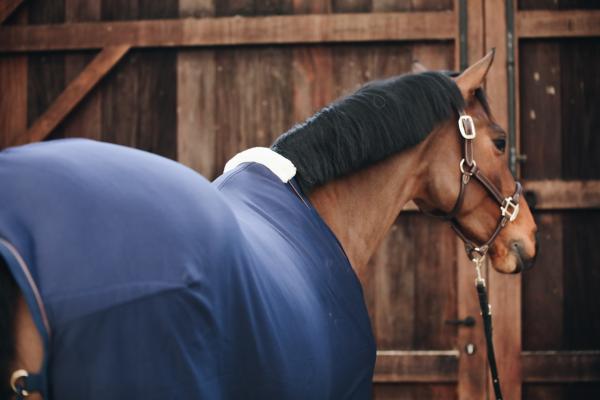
[557,24]
[504,290]
[313,71]
[472,368]
[580,91]
[565,195]
[416,366]
[157,123]
[85,120]
[351,6]
[412,5]
[196,114]
[543,330]
[561,366]
[414,291]
[253,94]
[13,101]
[253,98]
[46,71]
[540,95]
[581,259]
[73,94]
[228,31]
[312,6]
[569,391]
[416,391]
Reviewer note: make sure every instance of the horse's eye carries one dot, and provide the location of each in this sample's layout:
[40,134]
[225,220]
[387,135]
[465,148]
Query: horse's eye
[500,144]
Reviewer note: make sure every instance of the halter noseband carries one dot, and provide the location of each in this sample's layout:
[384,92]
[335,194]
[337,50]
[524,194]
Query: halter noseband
[509,206]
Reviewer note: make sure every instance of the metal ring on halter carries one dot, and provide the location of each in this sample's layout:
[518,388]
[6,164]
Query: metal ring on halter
[462,167]
[479,251]
[15,377]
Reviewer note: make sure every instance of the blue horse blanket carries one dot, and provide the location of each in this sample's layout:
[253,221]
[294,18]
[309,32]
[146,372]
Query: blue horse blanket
[146,281]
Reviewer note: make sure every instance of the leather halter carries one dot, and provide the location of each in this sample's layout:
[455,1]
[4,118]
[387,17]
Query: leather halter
[509,210]
[509,206]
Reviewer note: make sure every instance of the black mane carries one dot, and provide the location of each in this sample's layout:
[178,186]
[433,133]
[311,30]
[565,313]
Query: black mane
[380,119]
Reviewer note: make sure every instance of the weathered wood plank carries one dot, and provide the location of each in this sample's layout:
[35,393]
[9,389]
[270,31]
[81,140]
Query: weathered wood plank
[414,391]
[157,92]
[435,284]
[13,86]
[312,69]
[561,366]
[442,366]
[73,94]
[557,24]
[543,291]
[13,101]
[412,5]
[504,290]
[7,7]
[581,324]
[196,115]
[226,31]
[416,366]
[85,120]
[540,109]
[580,90]
[472,368]
[351,6]
[390,289]
[558,194]
[46,71]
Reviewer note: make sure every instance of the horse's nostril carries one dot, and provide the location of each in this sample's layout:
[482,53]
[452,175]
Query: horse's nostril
[525,262]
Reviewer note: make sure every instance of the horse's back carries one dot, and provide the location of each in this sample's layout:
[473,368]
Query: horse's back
[123,246]
[227,290]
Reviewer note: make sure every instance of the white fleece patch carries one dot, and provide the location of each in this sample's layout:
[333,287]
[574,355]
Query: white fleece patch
[278,164]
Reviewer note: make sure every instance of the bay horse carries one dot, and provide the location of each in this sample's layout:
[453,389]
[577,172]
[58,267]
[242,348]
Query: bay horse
[126,275]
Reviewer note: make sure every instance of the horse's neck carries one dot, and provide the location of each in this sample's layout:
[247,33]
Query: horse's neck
[361,208]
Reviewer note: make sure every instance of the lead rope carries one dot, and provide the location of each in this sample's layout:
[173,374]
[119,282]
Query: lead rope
[486,314]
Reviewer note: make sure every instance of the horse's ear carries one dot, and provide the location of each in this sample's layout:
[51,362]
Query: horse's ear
[417,67]
[472,78]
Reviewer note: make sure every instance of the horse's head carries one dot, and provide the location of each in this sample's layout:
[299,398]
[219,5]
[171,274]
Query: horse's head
[478,215]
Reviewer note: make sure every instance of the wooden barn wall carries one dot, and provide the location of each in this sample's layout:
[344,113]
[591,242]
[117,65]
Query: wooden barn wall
[560,123]
[135,105]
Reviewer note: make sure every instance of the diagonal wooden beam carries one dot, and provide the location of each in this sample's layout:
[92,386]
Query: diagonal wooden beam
[74,93]
[7,7]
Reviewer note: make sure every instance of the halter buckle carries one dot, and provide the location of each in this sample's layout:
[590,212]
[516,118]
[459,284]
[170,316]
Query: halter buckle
[510,208]
[467,127]
[16,384]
